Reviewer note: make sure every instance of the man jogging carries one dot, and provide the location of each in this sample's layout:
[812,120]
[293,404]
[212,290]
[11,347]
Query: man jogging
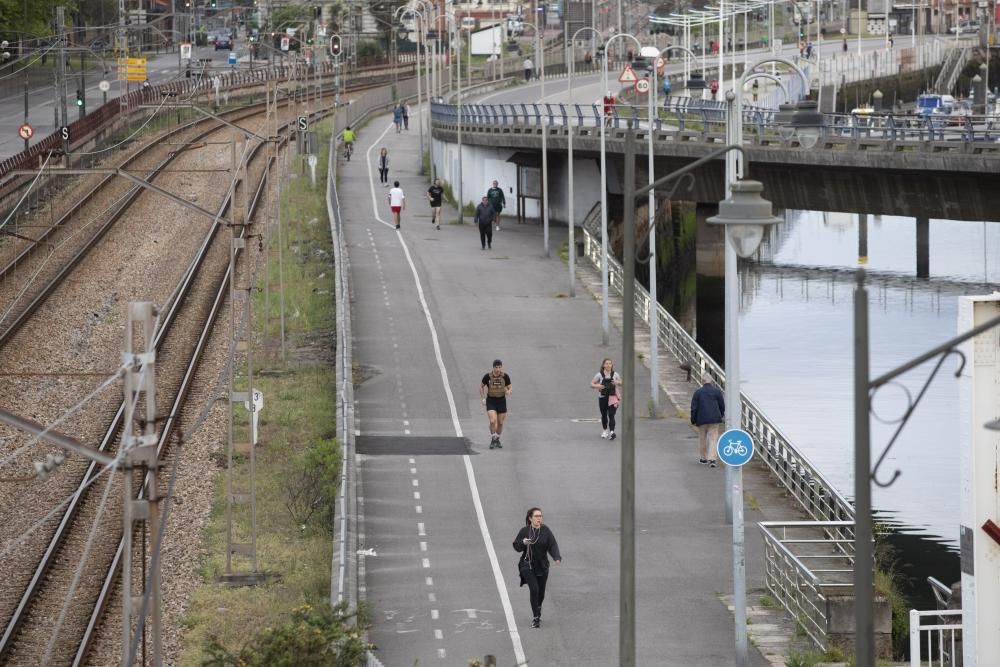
[497,201]
[484,217]
[494,390]
[434,194]
[397,201]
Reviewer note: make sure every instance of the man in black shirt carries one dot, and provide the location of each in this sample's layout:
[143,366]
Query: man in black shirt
[494,390]
[434,194]
[485,215]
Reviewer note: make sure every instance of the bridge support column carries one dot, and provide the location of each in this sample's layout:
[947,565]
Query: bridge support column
[862,239]
[710,289]
[923,248]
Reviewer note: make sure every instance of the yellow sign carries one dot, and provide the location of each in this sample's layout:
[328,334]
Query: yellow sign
[132,69]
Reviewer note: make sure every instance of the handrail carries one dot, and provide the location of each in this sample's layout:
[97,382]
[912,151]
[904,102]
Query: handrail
[942,638]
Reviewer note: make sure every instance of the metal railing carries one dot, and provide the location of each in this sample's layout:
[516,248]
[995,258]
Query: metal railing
[683,118]
[935,638]
[814,493]
[803,590]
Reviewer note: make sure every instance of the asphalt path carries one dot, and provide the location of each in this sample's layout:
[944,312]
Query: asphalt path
[431,311]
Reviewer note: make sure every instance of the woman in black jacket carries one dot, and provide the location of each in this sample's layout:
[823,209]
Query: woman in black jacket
[536,543]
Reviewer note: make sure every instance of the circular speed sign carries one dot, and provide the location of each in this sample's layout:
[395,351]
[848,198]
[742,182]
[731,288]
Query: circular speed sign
[642,86]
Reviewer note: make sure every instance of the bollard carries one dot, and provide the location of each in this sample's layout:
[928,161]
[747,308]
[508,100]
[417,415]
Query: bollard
[877,101]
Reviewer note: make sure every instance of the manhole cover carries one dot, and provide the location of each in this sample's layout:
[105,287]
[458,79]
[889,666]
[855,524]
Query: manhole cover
[411,445]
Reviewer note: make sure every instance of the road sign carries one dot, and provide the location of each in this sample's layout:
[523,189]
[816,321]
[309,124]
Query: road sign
[132,69]
[64,133]
[284,43]
[642,86]
[232,58]
[628,75]
[26,131]
[104,86]
[303,123]
[735,447]
[185,50]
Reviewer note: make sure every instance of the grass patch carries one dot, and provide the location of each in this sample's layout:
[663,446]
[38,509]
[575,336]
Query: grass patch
[287,620]
[768,602]
[751,501]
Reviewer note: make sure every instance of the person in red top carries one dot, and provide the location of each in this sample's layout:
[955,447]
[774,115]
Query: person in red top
[609,103]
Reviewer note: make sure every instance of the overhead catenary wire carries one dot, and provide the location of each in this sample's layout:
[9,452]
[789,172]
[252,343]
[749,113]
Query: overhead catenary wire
[14,209]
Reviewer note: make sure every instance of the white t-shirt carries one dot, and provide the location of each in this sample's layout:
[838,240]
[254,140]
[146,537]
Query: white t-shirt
[396,197]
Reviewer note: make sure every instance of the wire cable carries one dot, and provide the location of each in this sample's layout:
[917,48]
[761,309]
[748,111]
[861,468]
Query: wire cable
[34,182]
[129,137]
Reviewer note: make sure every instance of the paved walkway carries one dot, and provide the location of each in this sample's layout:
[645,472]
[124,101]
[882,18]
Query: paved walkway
[431,311]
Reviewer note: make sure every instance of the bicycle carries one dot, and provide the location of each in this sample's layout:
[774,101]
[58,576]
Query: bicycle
[348,150]
[737,448]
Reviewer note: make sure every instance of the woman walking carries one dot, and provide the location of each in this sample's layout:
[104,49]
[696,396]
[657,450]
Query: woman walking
[383,167]
[536,543]
[606,382]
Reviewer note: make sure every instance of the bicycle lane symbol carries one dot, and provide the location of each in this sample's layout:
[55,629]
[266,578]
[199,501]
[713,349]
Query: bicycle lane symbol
[735,447]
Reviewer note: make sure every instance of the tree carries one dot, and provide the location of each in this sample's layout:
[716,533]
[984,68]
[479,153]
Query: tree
[33,18]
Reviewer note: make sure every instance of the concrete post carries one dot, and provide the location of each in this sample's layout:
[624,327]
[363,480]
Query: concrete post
[923,248]
[877,101]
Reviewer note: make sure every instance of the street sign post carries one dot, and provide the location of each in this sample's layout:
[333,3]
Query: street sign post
[254,409]
[132,69]
[104,86]
[232,58]
[185,50]
[303,123]
[628,75]
[25,132]
[642,86]
[735,447]
[285,43]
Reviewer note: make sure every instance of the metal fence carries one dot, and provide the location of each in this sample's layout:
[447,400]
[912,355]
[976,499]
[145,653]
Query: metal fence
[814,493]
[936,638]
[803,564]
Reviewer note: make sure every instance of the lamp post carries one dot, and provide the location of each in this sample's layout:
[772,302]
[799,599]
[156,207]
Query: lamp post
[569,148]
[745,216]
[420,118]
[605,321]
[540,56]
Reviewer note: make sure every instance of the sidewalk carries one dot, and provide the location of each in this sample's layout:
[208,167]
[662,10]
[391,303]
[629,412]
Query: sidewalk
[512,302]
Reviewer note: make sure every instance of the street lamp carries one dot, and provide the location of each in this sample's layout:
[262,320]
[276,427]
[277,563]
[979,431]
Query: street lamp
[745,215]
[807,123]
[605,321]
[569,148]
[405,33]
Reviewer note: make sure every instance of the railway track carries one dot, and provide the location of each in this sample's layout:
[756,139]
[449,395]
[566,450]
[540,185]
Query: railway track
[185,325]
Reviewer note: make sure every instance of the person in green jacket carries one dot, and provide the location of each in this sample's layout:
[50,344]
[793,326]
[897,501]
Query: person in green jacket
[497,201]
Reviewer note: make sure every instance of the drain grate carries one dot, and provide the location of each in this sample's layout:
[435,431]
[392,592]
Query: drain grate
[411,445]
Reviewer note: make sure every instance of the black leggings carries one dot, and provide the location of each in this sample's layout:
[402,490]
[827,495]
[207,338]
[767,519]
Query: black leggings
[486,234]
[607,413]
[536,586]
[383,174]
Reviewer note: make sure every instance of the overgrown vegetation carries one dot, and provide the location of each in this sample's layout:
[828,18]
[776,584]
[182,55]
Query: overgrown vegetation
[288,619]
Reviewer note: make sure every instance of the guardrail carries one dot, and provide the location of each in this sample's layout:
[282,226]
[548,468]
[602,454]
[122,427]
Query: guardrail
[934,640]
[814,493]
[683,118]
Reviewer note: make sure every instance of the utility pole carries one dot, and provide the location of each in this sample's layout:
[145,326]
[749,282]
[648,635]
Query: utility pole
[61,71]
[139,447]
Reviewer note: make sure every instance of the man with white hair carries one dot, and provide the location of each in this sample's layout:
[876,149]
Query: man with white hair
[708,411]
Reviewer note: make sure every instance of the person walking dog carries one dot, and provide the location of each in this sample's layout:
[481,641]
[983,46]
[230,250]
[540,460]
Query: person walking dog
[708,410]
[536,543]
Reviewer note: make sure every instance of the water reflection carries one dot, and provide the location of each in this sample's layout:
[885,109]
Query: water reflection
[796,334]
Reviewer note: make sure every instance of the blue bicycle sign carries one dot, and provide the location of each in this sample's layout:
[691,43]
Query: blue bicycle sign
[735,447]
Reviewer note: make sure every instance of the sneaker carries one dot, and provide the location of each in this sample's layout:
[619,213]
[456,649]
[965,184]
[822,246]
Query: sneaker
[499,446]
[712,464]
[703,462]
[604,434]
[439,227]
[490,246]
[498,228]
[397,226]
[536,622]
[611,435]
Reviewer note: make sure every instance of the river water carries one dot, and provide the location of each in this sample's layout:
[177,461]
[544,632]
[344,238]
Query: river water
[796,346]
[796,341]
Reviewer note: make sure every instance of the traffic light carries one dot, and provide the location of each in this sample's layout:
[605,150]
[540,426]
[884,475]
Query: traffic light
[79,98]
[335,47]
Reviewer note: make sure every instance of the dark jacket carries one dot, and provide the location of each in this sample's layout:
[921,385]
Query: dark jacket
[536,556]
[707,405]
[485,215]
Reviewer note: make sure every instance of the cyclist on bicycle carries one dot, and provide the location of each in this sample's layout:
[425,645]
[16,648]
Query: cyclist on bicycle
[348,136]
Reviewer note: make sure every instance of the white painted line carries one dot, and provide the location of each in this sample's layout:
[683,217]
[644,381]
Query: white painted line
[420,510]
[371,181]
[423,546]
[429,581]
[471,613]
[431,597]
[413,471]
[406,422]
[416,482]
[438,634]
[435,614]
[406,431]
[477,502]
[442,654]
[425,562]
[413,460]
[416,495]
[420,529]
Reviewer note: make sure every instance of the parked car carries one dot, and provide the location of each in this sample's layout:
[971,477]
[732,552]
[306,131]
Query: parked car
[223,42]
[965,27]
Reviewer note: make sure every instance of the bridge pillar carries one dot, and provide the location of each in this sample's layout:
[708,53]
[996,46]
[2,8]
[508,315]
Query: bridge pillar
[710,293]
[923,248]
[862,239]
